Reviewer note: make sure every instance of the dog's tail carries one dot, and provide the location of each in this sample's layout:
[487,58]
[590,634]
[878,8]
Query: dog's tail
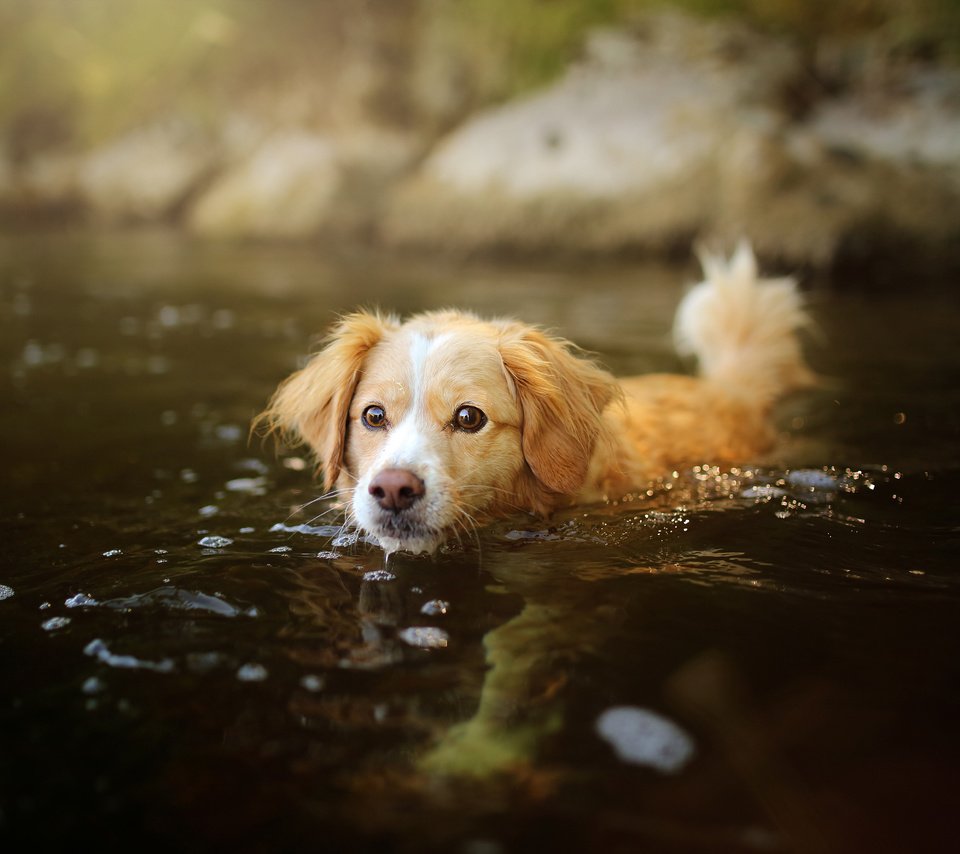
[744,330]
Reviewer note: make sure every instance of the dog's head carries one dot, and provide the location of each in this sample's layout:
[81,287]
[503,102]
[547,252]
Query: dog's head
[438,423]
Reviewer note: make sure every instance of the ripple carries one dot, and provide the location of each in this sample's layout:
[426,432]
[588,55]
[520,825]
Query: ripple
[99,650]
[319,530]
[177,599]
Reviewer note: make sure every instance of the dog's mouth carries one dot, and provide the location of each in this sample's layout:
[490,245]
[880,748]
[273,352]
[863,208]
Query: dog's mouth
[402,510]
[404,531]
[402,525]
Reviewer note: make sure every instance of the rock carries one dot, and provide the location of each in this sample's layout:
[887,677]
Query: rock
[45,185]
[284,189]
[297,183]
[147,174]
[681,131]
[623,150]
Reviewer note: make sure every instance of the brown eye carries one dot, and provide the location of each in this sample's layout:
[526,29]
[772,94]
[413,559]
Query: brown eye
[469,419]
[374,417]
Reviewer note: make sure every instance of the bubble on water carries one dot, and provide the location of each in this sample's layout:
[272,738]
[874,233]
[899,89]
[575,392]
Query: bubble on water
[92,685]
[169,316]
[158,365]
[252,673]
[642,737]
[328,555]
[254,465]
[208,510]
[113,553]
[43,605]
[435,607]
[32,354]
[246,529]
[763,492]
[229,432]
[812,479]
[250,485]
[99,650]
[86,357]
[80,600]
[5,592]
[22,305]
[129,326]
[342,540]
[55,623]
[424,637]
[214,542]
[203,662]
[222,318]
[280,550]
[379,575]
[312,683]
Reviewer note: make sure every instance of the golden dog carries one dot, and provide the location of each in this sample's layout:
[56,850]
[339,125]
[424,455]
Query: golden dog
[436,424]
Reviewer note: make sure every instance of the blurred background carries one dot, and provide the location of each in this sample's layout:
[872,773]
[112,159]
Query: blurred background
[828,132]
[191,189]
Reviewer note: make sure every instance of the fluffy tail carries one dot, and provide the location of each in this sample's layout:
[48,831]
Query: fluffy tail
[744,330]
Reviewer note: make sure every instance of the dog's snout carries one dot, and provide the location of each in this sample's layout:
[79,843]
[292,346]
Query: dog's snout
[396,489]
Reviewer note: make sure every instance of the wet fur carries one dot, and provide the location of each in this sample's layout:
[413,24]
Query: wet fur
[561,429]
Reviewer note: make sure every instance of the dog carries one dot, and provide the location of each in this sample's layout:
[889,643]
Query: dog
[432,426]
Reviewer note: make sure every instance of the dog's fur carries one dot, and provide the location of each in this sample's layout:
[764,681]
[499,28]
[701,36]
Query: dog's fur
[559,429]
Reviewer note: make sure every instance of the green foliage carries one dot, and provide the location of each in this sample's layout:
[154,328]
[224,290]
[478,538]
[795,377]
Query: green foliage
[526,42]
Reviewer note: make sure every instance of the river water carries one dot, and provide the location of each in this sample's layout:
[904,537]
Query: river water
[757,659]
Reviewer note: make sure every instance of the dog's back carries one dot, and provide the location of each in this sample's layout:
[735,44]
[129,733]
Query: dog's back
[744,332]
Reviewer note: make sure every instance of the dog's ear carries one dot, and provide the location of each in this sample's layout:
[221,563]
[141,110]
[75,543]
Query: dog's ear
[311,406]
[562,396]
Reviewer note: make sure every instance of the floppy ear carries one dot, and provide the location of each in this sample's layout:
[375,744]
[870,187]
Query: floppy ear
[562,397]
[311,406]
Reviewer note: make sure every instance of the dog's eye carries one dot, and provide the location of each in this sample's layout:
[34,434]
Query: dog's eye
[374,417]
[469,419]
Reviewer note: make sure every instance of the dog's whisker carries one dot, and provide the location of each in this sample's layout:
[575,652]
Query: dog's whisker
[336,493]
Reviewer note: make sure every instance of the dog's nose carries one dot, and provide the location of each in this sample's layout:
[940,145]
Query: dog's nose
[396,489]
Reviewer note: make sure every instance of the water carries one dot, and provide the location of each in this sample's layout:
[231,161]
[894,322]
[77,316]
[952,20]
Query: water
[749,660]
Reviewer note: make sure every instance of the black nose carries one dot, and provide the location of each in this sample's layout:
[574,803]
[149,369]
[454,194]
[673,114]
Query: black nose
[396,489]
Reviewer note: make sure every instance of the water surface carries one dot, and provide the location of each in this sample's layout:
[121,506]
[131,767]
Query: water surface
[762,658]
